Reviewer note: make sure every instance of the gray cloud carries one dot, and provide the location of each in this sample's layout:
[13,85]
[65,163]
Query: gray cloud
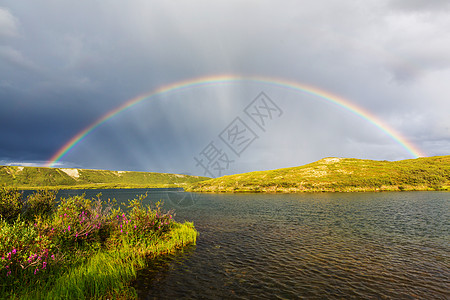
[421,5]
[69,63]
[16,58]
[8,23]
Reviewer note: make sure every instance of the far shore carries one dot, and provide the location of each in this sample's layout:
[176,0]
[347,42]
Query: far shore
[281,190]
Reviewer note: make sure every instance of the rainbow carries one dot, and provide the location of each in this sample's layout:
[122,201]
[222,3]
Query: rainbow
[221,79]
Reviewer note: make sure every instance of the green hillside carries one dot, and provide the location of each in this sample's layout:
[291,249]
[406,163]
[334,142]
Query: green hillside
[32,177]
[340,175]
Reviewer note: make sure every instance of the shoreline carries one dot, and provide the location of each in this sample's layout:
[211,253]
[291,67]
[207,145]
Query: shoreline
[280,190]
[99,186]
[255,189]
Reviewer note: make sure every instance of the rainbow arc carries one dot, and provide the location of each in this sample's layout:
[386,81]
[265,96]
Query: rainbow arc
[220,79]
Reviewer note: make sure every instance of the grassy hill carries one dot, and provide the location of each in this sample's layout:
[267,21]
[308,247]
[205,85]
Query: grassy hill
[340,175]
[33,177]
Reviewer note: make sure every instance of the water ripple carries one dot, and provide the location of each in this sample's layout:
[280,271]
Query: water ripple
[310,246]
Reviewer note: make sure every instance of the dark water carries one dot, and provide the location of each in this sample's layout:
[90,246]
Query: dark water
[328,245]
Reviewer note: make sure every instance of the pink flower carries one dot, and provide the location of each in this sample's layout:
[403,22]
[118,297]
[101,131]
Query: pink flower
[14,251]
[68,228]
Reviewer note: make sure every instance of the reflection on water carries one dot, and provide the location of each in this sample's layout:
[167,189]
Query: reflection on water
[334,245]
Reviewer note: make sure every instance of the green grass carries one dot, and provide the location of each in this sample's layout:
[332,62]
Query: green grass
[339,175]
[59,178]
[109,273]
[81,248]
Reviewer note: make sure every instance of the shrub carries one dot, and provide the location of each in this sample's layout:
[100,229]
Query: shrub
[78,220]
[40,203]
[142,224]
[24,250]
[10,203]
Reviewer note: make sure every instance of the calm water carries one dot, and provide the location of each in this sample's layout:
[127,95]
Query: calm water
[328,245]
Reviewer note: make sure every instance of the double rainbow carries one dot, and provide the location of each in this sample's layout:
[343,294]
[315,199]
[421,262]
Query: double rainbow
[220,79]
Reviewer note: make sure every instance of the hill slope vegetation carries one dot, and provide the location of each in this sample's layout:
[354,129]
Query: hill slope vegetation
[33,177]
[340,175]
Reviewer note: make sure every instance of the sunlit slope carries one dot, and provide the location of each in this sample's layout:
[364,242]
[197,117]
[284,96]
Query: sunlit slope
[31,177]
[340,174]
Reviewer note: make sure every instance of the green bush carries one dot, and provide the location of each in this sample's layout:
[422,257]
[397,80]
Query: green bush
[10,203]
[40,203]
[24,250]
[142,225]
[78,221]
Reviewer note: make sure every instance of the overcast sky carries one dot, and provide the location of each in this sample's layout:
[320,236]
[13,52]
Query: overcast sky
[64,64]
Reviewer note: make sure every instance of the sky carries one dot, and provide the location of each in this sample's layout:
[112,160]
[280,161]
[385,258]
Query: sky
[222,87]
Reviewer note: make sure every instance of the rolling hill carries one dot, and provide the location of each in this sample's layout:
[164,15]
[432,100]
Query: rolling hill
[34,177]
[339,175]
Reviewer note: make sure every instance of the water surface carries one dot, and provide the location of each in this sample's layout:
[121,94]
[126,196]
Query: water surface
[333,245]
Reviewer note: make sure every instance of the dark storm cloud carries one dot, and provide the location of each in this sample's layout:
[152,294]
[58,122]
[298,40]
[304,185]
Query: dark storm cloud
[33,129]
[64,64]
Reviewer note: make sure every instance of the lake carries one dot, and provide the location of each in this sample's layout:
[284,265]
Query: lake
[285,246]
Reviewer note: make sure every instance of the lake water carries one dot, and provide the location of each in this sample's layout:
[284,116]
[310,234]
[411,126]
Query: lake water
[287,246]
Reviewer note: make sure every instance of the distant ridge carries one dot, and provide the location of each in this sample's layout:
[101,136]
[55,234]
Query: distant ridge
[340,175]
[64,178]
